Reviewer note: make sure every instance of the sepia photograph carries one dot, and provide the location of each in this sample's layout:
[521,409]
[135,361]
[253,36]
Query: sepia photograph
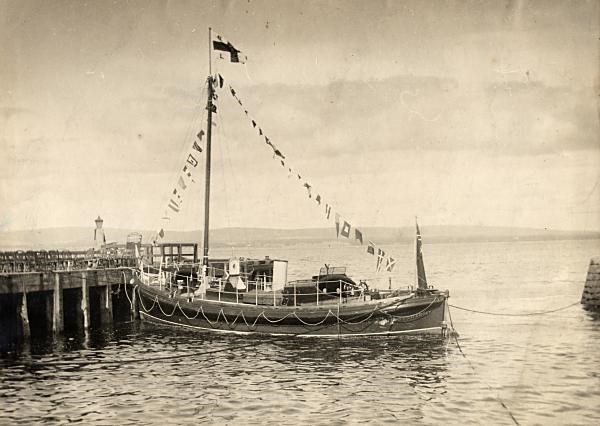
[263,212]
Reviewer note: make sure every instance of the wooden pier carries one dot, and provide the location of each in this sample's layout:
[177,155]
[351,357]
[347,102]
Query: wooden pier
[50,301]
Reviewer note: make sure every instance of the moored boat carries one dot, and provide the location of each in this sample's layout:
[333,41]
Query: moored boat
[254,296]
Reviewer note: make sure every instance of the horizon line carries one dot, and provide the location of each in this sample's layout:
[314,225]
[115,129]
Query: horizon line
[544,229]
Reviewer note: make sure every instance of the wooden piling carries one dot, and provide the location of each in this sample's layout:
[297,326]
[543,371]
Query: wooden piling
[48,308]
[57,309]
[135,309]
[109,300]
[590,298]
[24,316]
[85,301]
[105,300]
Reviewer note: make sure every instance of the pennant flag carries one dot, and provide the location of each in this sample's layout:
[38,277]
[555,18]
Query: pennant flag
[232,92]
[337,225]
[221,80]
[197,147]
[161,233]
[200,134]
[318,199]
[192,161]
[328,211]
[391,262]
[299,177]
[283,164]
[246,111]
[227,47]
[345,230]
[421,277]
[260,131]
[253,123]
[173,205]
[278,153]
[371,248]
[380,257]
[240,102]
[358,235]
[267,141]
[182,184]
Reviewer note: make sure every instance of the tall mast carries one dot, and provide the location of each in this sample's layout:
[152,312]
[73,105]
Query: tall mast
[209,107]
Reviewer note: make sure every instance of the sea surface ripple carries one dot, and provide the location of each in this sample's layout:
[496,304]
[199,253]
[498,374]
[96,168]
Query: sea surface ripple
[540,369]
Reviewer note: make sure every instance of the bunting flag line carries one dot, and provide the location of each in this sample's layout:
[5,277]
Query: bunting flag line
[371,248]
[391,262]
[192,161]
[380,258]
[345,230]
[177,195]
[307,186]
[358,235]
[173,206]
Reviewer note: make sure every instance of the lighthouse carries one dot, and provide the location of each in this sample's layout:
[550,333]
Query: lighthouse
[99,237]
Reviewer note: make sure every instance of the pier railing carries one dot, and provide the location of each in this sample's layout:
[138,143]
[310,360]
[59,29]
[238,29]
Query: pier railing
[60,260]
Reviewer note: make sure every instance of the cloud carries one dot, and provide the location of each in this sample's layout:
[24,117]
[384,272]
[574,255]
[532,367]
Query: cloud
[424,113]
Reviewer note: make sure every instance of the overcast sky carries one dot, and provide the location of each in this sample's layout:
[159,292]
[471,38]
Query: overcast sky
[463,113]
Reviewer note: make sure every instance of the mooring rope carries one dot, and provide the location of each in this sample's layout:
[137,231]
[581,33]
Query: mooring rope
[454,335]
[526,314]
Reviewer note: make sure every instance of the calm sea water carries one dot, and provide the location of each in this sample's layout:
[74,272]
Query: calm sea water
[545,369]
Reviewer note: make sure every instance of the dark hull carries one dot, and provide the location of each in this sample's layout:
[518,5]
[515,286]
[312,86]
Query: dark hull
[382,317]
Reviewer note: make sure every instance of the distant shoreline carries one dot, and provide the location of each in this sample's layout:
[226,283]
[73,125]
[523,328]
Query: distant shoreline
[70,238]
